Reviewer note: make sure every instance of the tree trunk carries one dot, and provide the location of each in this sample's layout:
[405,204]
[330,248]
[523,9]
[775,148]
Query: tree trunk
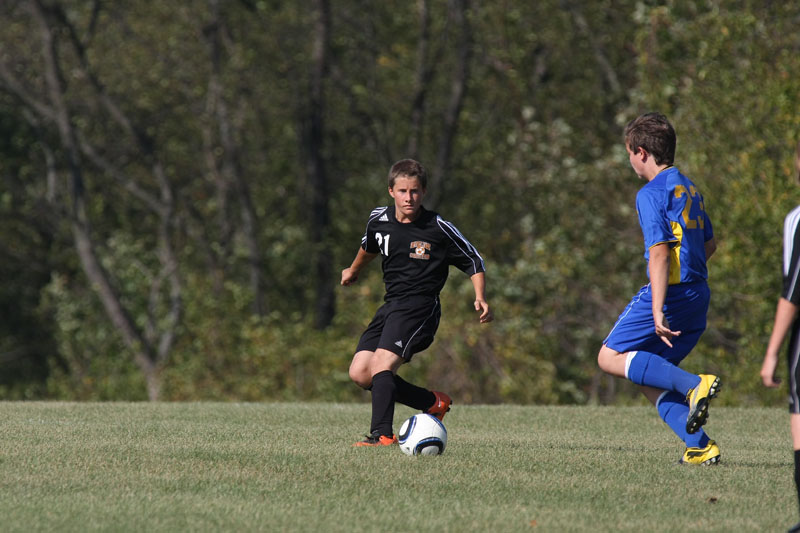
[229,171]
[324,305]
[422,79]
[458,89]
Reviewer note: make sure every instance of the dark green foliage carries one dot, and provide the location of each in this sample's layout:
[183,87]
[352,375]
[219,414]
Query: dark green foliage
[538,180]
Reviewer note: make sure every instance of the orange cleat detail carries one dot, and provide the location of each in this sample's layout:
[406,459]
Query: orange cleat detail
[440,406]
[377,440]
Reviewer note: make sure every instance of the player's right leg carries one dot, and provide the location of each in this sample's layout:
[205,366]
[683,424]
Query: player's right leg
[793,360]
[795,425]
[361,374]
[672,408]
[382,365]
[708,455]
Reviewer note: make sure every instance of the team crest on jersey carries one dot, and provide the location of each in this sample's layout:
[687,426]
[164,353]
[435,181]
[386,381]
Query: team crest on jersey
[420,249]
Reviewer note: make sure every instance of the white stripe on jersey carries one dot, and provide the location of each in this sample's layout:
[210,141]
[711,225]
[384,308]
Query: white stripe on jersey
[461,241]
[789,231]
[372,216]
[794,357]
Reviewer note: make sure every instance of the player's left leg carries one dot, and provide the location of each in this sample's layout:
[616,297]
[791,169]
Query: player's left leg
[632,349]
[647,369]
[412,395]
[431,402]
[699,398]
[412,331]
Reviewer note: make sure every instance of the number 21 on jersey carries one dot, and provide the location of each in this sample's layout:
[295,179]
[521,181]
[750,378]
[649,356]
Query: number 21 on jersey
[383,242]
[690,223]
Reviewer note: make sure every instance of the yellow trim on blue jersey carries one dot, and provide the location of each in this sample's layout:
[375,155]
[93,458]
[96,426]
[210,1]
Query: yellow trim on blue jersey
[663,242]
[675,255]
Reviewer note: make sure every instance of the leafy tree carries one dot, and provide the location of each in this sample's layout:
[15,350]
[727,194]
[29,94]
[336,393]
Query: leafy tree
[182,183]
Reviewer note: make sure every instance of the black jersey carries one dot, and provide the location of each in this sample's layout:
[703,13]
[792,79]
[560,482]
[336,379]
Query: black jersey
[416,256]
[791,256]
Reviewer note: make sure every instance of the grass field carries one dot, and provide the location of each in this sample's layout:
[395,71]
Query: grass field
[290,467]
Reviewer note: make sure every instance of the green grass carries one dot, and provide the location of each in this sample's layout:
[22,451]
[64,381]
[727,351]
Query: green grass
[290,467]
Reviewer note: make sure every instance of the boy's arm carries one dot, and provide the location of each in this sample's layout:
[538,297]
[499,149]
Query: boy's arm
[711,247]
[785,313]
[350,274]
[658,266]
[481,305]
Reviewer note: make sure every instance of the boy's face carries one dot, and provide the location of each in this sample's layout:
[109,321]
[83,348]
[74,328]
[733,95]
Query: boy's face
[408,194]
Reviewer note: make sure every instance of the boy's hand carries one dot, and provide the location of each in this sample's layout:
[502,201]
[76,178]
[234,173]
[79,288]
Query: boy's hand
[483,308]
[349,276]
[662,329]
[768,371]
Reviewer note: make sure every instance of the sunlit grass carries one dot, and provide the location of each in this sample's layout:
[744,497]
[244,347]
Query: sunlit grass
[290,467]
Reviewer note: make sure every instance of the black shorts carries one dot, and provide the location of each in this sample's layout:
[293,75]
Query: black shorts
[403,327]
[794,369]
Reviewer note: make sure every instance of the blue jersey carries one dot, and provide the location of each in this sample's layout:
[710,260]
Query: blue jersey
[671,211]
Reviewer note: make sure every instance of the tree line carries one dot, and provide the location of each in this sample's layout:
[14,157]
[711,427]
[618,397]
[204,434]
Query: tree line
[182,184]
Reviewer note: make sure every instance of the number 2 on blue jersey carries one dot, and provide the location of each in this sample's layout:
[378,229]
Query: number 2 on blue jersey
[689,222]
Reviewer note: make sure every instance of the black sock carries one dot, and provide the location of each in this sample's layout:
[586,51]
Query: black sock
[383,392]
[412,395]
[797,473]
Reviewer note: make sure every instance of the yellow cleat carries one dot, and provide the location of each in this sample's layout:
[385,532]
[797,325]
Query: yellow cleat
[702,456]
[698,399]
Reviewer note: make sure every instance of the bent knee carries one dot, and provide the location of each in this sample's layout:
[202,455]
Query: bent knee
[602,358]
[611,361]
[360,377]
[360,369]
[606,357]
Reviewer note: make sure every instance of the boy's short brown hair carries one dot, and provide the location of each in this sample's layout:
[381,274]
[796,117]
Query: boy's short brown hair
[654,133]
[408,168]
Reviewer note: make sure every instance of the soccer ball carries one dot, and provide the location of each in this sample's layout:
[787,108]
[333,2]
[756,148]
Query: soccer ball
[422,435]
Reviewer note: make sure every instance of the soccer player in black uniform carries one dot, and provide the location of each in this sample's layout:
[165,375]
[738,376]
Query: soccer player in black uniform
[786,321]
[417,248]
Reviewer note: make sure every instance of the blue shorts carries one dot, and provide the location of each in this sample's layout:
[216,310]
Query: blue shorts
[685,308]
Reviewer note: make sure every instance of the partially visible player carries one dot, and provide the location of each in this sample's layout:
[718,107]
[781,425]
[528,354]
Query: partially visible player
[664,321]
[786,321]
[417,248]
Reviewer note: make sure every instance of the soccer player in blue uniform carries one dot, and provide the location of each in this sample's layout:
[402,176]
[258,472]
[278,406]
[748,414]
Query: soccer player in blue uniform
[417,248]
[664,321]
[786,322]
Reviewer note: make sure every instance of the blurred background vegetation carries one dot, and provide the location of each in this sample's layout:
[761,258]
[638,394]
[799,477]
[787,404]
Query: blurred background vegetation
[182,184]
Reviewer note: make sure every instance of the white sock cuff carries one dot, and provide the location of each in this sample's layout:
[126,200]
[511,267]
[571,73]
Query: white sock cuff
[661,397]
[628,360]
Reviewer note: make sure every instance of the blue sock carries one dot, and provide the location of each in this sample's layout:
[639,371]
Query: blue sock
[645,368]
[673,409]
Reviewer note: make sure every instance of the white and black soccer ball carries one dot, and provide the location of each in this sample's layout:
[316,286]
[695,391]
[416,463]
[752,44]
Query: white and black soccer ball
[422,435]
